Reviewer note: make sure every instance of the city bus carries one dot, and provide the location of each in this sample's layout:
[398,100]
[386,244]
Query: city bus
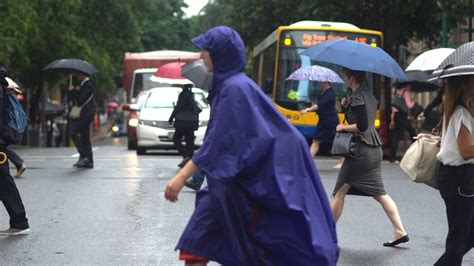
[278,55]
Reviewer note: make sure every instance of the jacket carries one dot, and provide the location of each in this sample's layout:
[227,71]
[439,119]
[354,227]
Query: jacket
[79,97]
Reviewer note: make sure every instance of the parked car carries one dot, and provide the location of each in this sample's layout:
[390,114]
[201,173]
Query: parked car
[154,130]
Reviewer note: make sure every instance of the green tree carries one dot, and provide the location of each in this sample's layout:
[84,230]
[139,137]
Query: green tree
[400,20]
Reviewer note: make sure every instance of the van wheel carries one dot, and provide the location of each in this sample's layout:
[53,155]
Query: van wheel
[141,151]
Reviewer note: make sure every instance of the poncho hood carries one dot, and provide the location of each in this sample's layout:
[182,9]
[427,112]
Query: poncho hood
[227,51]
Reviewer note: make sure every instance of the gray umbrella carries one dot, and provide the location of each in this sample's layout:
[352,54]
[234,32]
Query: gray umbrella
[72,65]
[197,72]
[459,63]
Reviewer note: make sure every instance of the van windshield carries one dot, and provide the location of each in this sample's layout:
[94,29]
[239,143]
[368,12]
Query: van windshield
[142,82]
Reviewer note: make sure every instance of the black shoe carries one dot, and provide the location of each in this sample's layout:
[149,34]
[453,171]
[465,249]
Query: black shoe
[183,162]
[86,163]
[80,160]
[402,239]
[190,184]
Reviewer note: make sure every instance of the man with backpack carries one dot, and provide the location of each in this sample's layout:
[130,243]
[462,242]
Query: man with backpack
[186,121]
[9,193]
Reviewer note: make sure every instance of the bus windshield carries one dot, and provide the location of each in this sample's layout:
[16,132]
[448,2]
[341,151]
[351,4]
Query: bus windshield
[292,94]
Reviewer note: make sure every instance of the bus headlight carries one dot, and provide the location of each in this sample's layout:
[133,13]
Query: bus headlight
[115,128]
[133,122]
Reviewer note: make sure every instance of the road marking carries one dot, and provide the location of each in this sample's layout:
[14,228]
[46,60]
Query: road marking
[76,155]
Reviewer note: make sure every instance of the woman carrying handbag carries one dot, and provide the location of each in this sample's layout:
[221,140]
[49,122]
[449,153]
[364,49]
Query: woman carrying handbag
[361,174]
[456,172]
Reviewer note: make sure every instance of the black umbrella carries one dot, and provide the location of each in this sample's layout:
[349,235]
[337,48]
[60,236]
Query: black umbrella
[419,82]
[460,62]
[72,65]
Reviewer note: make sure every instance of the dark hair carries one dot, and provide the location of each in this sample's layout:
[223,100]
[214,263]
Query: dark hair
[359,76]
[453,95]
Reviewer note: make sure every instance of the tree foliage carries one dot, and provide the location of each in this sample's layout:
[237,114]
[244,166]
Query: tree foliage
[33,33]
[400,20]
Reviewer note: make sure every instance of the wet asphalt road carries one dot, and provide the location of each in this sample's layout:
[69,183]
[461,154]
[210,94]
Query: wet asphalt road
[116,214]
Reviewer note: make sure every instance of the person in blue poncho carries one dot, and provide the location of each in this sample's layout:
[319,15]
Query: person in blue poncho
[261,206]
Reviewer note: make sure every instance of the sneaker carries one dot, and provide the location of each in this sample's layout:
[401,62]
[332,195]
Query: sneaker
[20,170]
[190,184]
[14,232]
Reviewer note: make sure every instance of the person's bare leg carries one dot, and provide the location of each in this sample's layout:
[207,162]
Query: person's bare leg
[314,147]
[391,210]
[337,201]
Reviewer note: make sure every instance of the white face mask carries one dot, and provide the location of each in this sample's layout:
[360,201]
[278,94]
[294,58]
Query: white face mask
[197,72]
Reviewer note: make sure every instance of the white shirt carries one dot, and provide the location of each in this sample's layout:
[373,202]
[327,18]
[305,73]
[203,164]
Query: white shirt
[449,152]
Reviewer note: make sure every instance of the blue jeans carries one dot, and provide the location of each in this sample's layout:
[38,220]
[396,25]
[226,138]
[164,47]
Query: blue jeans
[198,178]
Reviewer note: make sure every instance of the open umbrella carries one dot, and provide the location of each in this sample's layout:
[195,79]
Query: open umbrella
[419,82]
[71,65]
[171,74]
[460,62]
[315,73]
[429,60]
[197,72]
[356,56]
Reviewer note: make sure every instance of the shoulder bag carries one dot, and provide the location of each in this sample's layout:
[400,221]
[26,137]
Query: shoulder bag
[345,143]
[76,110]
[419,161]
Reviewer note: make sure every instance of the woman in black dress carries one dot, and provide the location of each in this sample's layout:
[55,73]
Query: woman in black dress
[326,110]
[362,175]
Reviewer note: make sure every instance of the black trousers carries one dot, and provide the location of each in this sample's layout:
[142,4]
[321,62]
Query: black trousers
[401,125]
[188,134]
[456,186]
[80,135]
[14,157]
[10,196]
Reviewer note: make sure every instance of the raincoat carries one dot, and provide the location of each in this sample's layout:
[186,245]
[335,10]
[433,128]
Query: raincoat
[265,204]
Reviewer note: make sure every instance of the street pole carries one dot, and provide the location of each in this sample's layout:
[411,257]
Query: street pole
[470,20]
[444,39]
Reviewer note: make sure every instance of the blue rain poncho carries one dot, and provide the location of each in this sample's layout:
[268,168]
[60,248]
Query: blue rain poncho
[265,203]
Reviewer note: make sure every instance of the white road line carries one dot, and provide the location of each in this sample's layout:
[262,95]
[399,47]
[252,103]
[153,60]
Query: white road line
[76,155]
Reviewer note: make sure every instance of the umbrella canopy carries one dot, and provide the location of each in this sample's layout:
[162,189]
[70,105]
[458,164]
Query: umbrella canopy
[429,60]
[112,104]
[171,74]
[315,73]
[419,83]
[71,65]
[197,72]
[356,56]
[459,63]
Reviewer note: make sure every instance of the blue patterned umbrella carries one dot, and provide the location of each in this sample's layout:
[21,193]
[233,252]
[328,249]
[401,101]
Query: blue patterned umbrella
[316,73]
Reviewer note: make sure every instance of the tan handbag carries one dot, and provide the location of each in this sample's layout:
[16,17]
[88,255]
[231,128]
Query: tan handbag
[419,161]
[76,110]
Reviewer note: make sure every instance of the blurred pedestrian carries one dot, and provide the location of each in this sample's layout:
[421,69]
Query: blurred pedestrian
[82,95]
[9,194]
[328,120]
[437,100]
[399,123]
[16,160]
[186,120]
[256,194]
[362,175]
[196,180]
[455,178]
